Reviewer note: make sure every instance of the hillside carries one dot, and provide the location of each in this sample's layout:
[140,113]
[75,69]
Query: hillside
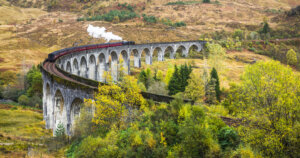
[28,34]
[243,87]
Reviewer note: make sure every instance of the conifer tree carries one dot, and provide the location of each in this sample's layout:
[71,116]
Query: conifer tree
[174,83]
[180,79]
[60,130]
[145,77]
[215,78]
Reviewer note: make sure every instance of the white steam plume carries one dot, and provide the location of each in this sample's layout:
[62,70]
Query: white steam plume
[100,32]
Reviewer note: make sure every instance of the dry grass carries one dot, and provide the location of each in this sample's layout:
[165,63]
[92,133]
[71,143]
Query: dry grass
[231,72]
[14,15]
[37,32]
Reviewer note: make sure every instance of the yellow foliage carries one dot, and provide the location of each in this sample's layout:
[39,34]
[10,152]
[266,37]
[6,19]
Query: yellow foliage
[111,101]
[163,139]
[195,88]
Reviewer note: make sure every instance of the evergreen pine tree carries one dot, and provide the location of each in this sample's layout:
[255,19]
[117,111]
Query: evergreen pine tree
[179,79]
[266,29]
[211,92]
[214,77]
[174,83]
[143,78]
[182,79]
[60,130]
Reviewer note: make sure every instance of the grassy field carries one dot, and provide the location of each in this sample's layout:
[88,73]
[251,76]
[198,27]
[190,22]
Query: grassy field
[234,65]
[22,132]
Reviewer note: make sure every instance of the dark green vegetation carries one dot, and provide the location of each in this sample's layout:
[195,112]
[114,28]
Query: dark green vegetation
[182,2]
[126,12]
[113,16]
[214,80]
[179,79]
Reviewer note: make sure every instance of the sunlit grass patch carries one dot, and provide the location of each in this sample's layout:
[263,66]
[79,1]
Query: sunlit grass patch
[22,123]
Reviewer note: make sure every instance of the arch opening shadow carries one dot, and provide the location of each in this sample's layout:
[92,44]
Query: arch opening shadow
[146,56]
[158,54]
[180,52]
[193,52]
[83,67]
[75,113]
[114,65]
[101,67]
[58,108]
[169,53]
[68,68]
[136,59]
[92,67]
[124,62]
[75,67]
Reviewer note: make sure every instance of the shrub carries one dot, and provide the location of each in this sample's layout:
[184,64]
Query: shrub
[23,100]
[35,101]
[228,138]
[291,57]
[179,24]
[238,34]
[145,77]
[80,19]
[206,1]
[253,36]
[158,87]
[149,19]
[266,29]
[252,49]
[12,93]
[112,15]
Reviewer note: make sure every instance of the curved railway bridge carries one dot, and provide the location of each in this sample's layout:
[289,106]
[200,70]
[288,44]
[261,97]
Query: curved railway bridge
[75,76]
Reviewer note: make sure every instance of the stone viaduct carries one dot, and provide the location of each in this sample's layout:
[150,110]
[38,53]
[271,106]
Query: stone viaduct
[75,76]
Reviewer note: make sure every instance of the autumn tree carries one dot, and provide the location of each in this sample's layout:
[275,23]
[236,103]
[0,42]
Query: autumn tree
[291,57]
[195,89]
[112,100]
[216,54]
[169,74]
[158,75]
[268,98]
[34,82]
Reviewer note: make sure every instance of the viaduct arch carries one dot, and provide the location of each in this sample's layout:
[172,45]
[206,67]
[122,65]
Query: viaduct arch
[75,76]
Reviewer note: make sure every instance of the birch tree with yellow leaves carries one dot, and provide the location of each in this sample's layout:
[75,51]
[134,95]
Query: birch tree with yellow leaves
[112,102]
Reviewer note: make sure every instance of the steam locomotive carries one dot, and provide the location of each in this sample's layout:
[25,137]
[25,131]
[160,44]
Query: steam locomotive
[54,55]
